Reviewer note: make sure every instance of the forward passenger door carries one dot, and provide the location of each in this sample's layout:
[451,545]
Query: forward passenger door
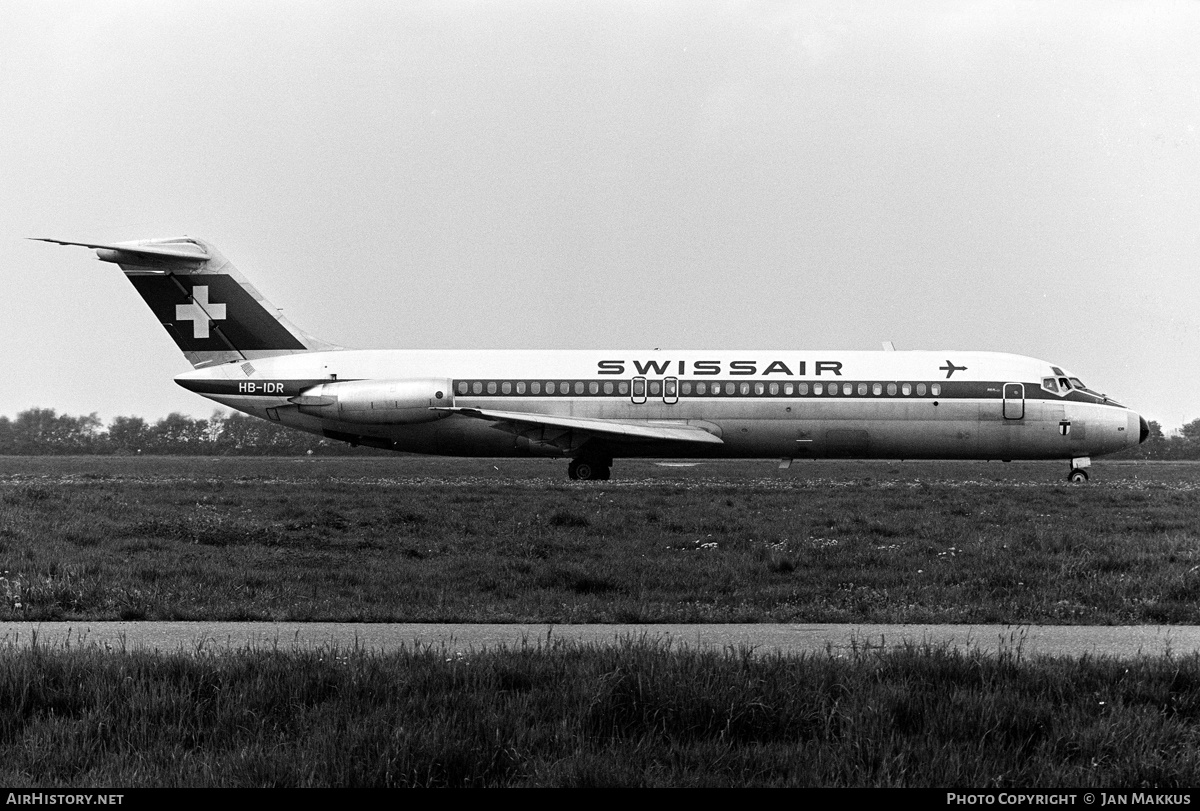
[1014,401]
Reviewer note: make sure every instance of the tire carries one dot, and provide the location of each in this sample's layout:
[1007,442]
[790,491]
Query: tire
[1077,476]
[585,471]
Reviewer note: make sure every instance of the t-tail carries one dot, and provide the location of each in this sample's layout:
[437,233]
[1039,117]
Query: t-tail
[210,310]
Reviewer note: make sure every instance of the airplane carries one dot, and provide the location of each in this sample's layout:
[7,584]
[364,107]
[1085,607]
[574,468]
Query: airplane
[597,406]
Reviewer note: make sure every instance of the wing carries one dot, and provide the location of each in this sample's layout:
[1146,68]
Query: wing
[569,433]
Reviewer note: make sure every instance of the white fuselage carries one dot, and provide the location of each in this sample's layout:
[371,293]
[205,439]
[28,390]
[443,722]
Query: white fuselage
[787,404]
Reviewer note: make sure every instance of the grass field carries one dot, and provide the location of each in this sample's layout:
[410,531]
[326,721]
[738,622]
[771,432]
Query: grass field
[417,539]
[424,539]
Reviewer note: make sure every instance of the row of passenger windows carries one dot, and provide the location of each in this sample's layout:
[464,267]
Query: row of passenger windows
[715,388]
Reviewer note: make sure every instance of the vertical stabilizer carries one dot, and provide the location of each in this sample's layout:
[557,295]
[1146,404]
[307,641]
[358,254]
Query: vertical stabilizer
[210,310]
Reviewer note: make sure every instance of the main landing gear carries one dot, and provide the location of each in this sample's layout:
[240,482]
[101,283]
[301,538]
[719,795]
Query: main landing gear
[1079,474]
[585,469]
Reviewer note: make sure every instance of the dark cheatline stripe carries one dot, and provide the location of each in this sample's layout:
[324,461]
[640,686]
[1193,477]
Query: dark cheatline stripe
[949,390]
[250,388]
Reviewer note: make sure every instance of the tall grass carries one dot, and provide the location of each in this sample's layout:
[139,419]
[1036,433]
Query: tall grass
[560,714]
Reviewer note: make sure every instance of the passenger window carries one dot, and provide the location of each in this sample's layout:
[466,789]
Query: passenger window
[608,387]
[701,388]
[759,388]
[802,389]
[832,390]
[622,388]
[731,387]
[462,387]
[892,389]
[745,388]
[935,389]
[477,387]
[492,387]
[920,389]
[579,387]
[862,389]
[520,387]
[774,388]
[535,387]
[506,387]
[655,388]
[639,387]
[788,389]
[847,388]
[550,387]
[877,389]
[818,388]
[906,389]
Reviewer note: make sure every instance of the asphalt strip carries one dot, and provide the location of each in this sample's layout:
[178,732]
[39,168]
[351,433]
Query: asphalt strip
[762,638]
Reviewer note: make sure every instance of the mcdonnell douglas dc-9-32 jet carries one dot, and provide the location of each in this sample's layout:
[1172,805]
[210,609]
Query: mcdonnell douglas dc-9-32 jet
[594,407]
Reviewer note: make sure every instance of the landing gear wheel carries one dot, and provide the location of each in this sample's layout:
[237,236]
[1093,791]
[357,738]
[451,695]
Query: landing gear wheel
[585,470]
[1078,476]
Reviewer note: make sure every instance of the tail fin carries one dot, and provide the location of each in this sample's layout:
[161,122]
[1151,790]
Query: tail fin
[207,306]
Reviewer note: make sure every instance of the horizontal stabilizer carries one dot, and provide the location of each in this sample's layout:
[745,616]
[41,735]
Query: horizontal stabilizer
[609,429]
[175,250]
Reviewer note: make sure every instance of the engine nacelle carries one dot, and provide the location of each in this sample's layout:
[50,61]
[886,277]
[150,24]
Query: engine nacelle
[392,402]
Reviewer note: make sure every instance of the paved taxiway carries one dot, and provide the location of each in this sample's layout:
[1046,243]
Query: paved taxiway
[1060,640]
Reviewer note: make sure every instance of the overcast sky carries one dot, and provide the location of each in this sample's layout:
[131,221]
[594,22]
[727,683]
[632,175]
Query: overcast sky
[1018,177]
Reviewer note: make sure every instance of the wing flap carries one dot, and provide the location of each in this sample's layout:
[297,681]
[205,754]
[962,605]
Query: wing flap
[612,429]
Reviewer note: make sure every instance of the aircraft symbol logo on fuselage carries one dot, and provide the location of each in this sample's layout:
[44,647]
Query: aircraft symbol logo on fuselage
[950,369]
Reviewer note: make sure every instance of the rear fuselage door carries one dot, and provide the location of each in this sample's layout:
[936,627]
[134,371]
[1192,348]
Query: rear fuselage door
[1014,401]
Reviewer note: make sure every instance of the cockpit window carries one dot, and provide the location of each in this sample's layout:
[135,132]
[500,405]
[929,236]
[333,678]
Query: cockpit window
[1066,384]
[1077,383]
[1049,384]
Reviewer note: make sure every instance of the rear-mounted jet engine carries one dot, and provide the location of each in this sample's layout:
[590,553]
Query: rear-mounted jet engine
[377,402]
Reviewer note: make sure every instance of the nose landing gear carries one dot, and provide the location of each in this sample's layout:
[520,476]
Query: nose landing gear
[1079,474]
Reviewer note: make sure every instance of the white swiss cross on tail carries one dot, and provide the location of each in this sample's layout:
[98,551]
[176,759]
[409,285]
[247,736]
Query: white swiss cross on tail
[199,311]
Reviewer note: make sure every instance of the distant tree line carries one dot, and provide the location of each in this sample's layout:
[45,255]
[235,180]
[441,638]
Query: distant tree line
[1182,446]
[42,431]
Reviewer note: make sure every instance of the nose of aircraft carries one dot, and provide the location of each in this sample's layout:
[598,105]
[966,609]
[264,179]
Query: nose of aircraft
[1145,432]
